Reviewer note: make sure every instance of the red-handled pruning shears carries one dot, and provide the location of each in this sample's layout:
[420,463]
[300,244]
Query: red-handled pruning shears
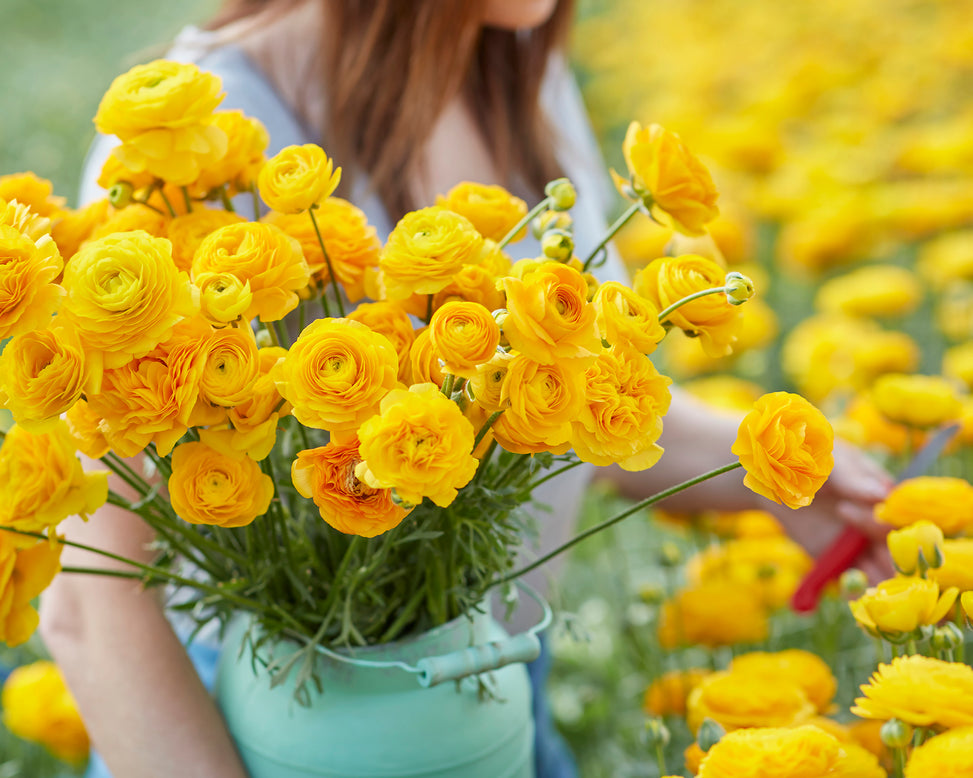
[841,554]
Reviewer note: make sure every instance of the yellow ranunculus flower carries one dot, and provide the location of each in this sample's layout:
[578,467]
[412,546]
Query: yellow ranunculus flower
[487,385]
[803,668]
[957,568]
[420,445]
[114,172]
[862,424]
[124,296]
[186,232]
[261,255]
[799,752]
[920,691]
[856,762]
[391,320]
[32,191]
[958,363]
[425,367]
[549,318]
[207,487]
[42,481]
[901,605]
[42,374]
[540,404]
[916,546]
[26,569]
[668,280]
[19,216]
[667,694]
[247,140]
[946,502]
[626,317]
[625,400]
[73,228]
[296,178]
[133,217]
[676,186]
[725,392]
[223,298]
[491,209]
[232,367]
[351,242]
[946,259]
[38,706]
[28,294]
[874,290]
[713,614]
[83,424]
[336,374]
[916,400]
[464,335]
[327,476]
[948,754]
[736,700]
[425,250]
[785,445]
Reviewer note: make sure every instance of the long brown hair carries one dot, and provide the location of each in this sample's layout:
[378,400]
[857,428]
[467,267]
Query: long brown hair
[392,66]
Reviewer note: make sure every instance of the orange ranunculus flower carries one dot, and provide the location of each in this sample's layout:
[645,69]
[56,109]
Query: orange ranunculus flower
[296,178]
[803,668]
[26,569]
[491,209]
[785,444]
[548,316]
[186,232]
[464,335]
[901,605]
[737,700]
[675,185]
[916,400]
[351,242]
[628,317]
[152,398]
[247,140]
[798,752]
[261,255]
[541,402]
[389,319]
[336,374]
[946,502]
[420,446]
[625,400]
[42,481]
[713,614]
[425,250]
[84,426]
[948,754]
[207,487]
[424,363]
[327,476]
[668,280]
[28,294]
[124,296]
[38,706]
[231,368]
[919,690]
[73,228]
[42,374]
[667,694]
[223,298]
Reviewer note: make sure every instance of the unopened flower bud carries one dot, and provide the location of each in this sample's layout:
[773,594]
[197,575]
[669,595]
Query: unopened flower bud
[651,595]
[738,287]
[562,194]
[120,194]
[656,733]
[917,547]
[948,637]
[557,245]
[710,733]
[670,555]
[853,583]
[551,220]
[263,338]
[896,733]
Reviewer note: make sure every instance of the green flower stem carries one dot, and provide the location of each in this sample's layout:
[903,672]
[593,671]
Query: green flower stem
[898,760]
[256,201]
[225,199]
[511,470]
[337,583]
[103,571]
[162,194]
[660,758]
[123,471]
[447,388]
[161,463]
[689,298]
[484,461]
[270,331]
[327,261]
[960,652]
[535,211]
[619,223]
[910,647]
[485,429]
[282,337]
[276,508]
[648,501]
[188,200]
[549,476]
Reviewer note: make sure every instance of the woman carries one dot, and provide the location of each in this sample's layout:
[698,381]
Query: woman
[410,98]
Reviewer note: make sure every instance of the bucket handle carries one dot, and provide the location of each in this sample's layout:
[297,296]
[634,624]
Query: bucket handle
[455,665]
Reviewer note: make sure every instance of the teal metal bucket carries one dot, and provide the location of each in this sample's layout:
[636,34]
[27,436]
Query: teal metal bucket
[409,709]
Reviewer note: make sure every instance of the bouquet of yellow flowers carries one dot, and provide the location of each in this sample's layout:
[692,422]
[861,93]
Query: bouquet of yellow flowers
[352,478]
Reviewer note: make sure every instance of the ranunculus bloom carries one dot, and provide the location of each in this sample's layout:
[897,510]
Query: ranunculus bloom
[625,400]
[296,178]
[327,476]
[261,255]
[19,216]
[803,668]
[207,487]
[474,283]
[920,691]
[946,502]
[420,445]
[336,374]
[231,368]
[958,363]
[950,753]
[186,232]
[464,335]
[785,444]
[874,290]
[133,217]
[627,317]
[487,384]
[425,250]
[957,567]
[42,481]
[38,706]
[247,140]
[42,374]
[666,696]
[856,762]
[424,364]
[901,605]
[28,294]
[716,614]
[491,209]
[26,569]
[223,298]
[799,752]
[83,424]
[389,319]
[917,400]
[919,544]
[676,185]
[72,228]
[549,318]
[668,280]
[737,700]
[32,191]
